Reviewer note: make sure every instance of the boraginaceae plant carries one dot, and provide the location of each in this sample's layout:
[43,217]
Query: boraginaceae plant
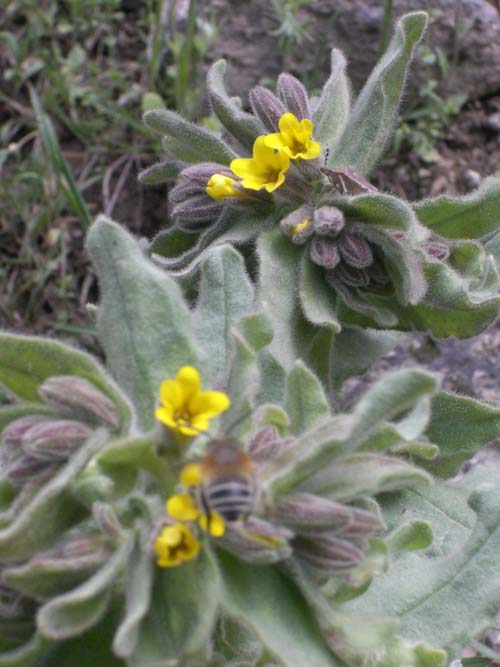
[202,501]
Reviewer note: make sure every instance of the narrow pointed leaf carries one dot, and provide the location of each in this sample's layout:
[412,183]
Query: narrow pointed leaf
[306,402]
[334,104]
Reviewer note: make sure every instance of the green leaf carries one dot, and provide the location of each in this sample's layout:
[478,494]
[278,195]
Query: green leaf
[143,323]
[317,299]
[264,600]
[460,426]
[71,614]
[385,211]
[225,296]
[467,217]
[241,386]
[50,511]
[334,104]
[10,413]
[257,330]
[272,379]
[26,361]
[410,537]
[138,589]
[182,614]
[25,655]
[305,402]
[161,172]
[375,111]
[243,126]
[136,452]
[195,143]
[446,600]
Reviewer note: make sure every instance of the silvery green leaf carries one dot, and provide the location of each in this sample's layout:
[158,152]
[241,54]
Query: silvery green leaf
[24,655]
[225,296]
[182,614]
[26,362]
[375,111]
[332,111]
[272,379]
[317,299]
[257,330]
[468,217]
[305,400]
[411,536]
[241,384]
[136,452]
[161,172]
[244,127]
[143,323]
[71,614]
[263,600]
[196,144]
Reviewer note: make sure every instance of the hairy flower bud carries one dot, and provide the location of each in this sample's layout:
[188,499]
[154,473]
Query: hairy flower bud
[328,555]
[297,225]
[355,251]
[26,468]
[436,250]
[257,541]
[183,191]
[348,275]
[265,444]
[328,221]
[267,107]
[79,397]
[55,440]
[194,213]
[294,96]
[199,174]
[12,437]
[324,252]
[378,272]
[107,520]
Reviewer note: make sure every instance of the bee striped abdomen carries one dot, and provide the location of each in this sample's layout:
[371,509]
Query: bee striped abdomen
[231,497]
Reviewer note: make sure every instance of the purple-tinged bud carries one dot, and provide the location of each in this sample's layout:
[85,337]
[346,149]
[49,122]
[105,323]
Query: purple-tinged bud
[355,251]
[436,250]
[13,606]
[184,191]
[265,444]
[79,397]
[106,519]
[294,96]
[297,225]
[328,221]
[324,252]
[199,174]
[257,541]
[328,555]
[267,107]
[349,276]
[26,469]
[197,212]
[306,510]
[12,437]
[55,440]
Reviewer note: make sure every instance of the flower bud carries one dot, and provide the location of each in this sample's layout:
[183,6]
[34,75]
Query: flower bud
[348,275]
[328,221]
[306,510]
[106,519]
[265,444]
[12,437]
[328,555]
[267,107]
[77,396]
[297,225]
[183,191]
[199,174]
[294,96]
[355,251]
[257,541]
[436,250]
[324,252]
[26,469]
[194,213]
[55,440]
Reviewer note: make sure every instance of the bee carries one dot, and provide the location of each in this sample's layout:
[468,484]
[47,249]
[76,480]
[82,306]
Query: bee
[228,484]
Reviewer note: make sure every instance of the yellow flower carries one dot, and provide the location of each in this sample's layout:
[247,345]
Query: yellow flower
[220,186]
[176,545]
[294,138]
[184,407]
[266,169]
[183,507]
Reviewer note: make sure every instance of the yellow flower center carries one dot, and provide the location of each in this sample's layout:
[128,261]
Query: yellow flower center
[176,545]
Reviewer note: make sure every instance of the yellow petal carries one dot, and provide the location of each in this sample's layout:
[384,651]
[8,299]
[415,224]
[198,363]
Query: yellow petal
[306,127]
[191,547]
[276,141]
[170,394]
[196,426]
[189,382]
[261,151]
[271,187]
[182,507]
[170,536]
[214,525]
[242,167]
[191,475]
[300,226]
[313,151]
[220,186]
[166,416]
[209,403]
[288,123]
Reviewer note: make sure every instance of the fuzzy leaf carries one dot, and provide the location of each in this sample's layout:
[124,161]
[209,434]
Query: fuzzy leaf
[460,425]
[376,109]
[272,379]
[241,385]
[195,140]
[446,600]
[262,599]
[143,323]
[243,126]
[137,452]
[138,587]
[410,537]
[257,330]
[305,399]
[467,217]
[181,615]
[25,655]
[49,512]
[72,613]
[334,104]
[225,296]
[161,172]
[385,211]
[25,362]
[317,298]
